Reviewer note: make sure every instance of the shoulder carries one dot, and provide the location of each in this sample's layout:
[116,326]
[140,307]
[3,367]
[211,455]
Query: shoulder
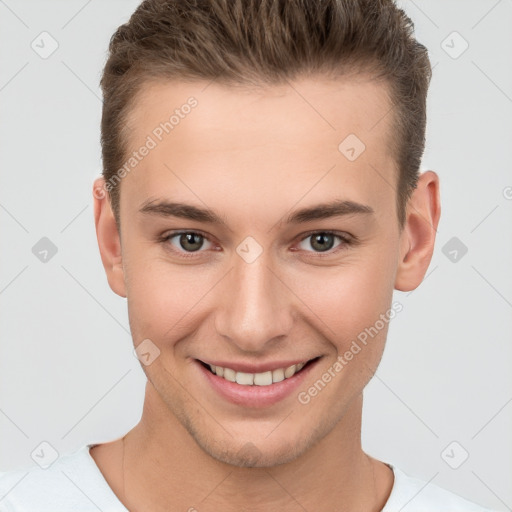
[72,482]
[411,494]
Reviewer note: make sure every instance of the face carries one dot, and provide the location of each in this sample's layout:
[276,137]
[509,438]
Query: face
[231,255]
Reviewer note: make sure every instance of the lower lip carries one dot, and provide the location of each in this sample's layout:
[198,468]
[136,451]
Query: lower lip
[256,396]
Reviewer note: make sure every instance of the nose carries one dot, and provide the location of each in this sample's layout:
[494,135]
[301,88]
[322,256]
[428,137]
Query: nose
[255,307]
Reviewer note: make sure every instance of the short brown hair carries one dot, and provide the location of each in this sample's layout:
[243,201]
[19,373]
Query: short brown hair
[266,42]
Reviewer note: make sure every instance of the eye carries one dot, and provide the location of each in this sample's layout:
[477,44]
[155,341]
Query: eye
[185,241]
[323,241]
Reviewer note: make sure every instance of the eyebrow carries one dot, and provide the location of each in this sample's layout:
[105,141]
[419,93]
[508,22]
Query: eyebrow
[336,208]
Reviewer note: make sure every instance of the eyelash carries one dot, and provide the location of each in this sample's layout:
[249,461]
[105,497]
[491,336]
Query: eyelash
[346,242]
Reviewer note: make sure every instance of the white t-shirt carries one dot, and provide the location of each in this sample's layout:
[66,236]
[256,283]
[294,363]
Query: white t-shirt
[74,483]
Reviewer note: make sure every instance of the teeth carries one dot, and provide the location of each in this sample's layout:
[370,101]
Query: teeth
[290,371]
[277,375]
[229,374]
[263,379]
[246,379]
[257,379]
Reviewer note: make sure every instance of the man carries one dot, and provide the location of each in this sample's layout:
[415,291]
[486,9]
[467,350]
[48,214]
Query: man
[260,201]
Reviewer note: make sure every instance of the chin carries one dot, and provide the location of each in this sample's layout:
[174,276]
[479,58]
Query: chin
[256,451]
[250,456]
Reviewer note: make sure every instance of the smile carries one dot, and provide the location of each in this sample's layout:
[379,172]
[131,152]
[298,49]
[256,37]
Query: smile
[257,379]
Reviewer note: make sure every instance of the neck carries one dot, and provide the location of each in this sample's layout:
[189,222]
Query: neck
[165,468]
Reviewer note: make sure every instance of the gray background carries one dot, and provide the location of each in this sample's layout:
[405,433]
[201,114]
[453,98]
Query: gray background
[67,372]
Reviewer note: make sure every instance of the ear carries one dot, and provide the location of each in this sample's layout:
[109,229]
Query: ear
[419,233]
[109,240]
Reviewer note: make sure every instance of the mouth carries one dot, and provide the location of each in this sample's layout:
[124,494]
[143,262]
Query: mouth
[263,379]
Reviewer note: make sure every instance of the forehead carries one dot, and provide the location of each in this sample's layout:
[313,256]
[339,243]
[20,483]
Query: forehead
[316,134]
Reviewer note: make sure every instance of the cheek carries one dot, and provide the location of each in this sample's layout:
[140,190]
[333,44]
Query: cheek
[349,300]
[163,298]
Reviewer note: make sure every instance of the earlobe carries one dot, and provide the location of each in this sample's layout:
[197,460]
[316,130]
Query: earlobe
[109,241]
[419,233]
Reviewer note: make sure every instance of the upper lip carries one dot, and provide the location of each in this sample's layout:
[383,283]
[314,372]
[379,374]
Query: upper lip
[256,367]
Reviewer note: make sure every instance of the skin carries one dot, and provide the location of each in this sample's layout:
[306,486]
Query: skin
[254,156]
